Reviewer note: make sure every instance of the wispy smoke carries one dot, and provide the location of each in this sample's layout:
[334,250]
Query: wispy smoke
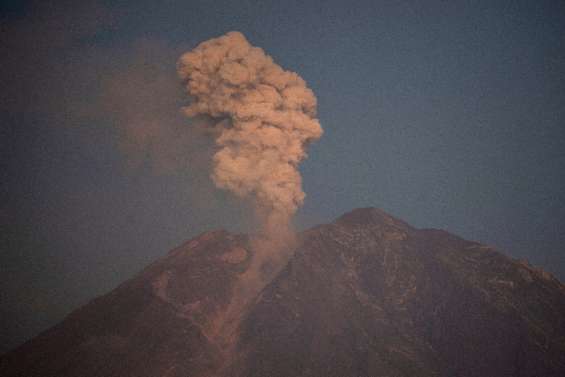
[265,117]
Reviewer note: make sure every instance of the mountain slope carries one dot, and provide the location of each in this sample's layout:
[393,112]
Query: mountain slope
[367,295]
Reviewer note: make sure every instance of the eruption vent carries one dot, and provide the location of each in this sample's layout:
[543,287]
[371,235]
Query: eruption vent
[265,116]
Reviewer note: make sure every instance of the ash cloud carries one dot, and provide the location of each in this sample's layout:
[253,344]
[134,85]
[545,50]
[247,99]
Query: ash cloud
[141,99]
[265,118]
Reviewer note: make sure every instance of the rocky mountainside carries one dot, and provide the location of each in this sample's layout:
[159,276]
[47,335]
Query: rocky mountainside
[367,295]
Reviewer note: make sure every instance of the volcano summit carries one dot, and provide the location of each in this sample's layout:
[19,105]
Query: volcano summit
[367,295]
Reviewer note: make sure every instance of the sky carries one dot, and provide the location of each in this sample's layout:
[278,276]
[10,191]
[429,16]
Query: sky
[449,115]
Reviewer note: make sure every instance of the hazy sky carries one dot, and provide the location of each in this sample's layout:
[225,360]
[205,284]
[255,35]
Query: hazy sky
[447,116]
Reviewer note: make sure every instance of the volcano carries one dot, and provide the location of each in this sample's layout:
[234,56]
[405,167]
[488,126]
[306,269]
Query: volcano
[366,295]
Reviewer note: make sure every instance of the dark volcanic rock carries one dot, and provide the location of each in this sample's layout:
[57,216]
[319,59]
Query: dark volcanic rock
[367,295]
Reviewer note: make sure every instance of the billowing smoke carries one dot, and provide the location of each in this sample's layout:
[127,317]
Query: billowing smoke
[265,116]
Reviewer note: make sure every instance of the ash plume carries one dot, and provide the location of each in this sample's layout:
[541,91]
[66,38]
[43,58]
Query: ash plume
[265,118]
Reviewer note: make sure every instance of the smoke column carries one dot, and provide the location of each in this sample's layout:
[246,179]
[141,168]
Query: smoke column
[265,117]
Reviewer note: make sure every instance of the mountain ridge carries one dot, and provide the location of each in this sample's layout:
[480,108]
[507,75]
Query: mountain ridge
[365,295]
